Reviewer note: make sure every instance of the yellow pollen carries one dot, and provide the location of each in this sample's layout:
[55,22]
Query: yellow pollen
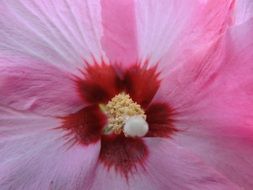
[118,109]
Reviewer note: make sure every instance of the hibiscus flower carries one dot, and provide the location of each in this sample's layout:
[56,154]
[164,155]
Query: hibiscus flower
[130,94]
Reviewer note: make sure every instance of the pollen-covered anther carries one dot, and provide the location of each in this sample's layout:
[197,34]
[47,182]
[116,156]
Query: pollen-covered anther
[125,115]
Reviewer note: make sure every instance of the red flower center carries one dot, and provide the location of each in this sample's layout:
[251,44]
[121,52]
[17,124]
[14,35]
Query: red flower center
[101,83]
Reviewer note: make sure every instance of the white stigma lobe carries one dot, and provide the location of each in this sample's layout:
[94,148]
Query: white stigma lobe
[135,126]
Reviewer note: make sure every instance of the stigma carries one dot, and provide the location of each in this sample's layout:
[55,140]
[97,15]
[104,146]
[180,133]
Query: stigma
[124,116]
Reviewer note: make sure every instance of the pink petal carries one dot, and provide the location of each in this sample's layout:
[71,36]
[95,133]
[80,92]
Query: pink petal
[86,125]
[61,32]
[170,31]
[35,155]
[160,120]
[167,167]
[135,80]
[99,83]
[122,154]
[215,105]
[244,11]
[230,152]
[119,25]
[31,85]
